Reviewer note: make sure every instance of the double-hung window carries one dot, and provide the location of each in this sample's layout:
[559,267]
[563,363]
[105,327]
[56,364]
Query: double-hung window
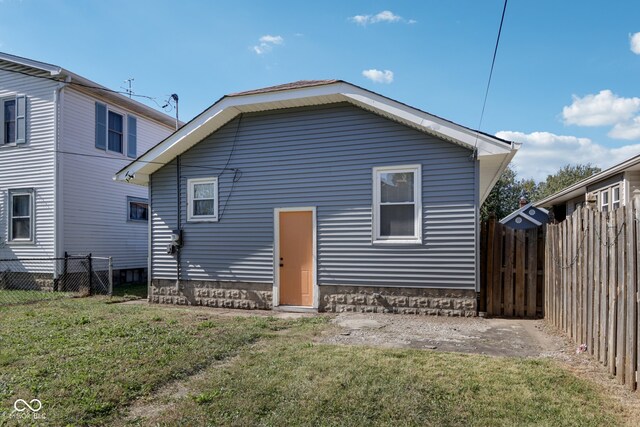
[202,202]
[21,215]
[615,197]
[114,132]
[604,198]
[13,112]
[397,204]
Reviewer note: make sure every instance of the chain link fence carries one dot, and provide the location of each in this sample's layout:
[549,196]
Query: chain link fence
[38,279]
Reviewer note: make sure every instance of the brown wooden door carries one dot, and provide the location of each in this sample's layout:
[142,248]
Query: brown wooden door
[296,258]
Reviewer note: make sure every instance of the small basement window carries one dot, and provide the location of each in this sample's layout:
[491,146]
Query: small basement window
[21,215]
[202,203]
[397,204]
[138,209]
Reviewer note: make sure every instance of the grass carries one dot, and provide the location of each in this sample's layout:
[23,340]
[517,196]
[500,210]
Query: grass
[131,291]
[11,297]
[89,361]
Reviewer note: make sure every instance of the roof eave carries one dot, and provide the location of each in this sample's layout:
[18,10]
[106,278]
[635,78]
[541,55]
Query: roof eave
[226,108]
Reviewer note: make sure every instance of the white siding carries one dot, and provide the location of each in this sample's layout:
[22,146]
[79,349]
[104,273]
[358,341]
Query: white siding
[95,206]
[30,165]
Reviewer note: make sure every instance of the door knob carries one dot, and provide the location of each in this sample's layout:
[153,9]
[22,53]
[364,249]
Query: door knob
[281,265]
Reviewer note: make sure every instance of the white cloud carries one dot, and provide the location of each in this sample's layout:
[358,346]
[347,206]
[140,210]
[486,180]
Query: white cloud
[543,153]
[378,76]
[605,108]
[267,42]
[271,39]
[384,16]
[634,41]
[626,130]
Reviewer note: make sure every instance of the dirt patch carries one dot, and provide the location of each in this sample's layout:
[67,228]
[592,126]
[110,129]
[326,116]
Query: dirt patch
[494,337]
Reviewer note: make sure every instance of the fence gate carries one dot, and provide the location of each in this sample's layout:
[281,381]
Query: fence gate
[511,271]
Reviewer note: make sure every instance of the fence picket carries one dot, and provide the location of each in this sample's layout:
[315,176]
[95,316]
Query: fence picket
[519,284]
[591,282]
[631,301]
[532,273]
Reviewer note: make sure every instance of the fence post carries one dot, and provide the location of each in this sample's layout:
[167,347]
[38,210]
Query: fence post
[110,276]
[64,271]
[89,260]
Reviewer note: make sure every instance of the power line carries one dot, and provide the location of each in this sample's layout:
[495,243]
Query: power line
[73,153]
[493,62]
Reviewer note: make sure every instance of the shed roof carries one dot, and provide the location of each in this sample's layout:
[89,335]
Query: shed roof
[493,153]
[521,212]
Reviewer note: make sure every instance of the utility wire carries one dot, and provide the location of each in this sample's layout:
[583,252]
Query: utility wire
[493,63]
[73,153]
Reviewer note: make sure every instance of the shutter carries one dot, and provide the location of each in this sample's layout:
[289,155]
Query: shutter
[21,119]
[132,136]
[101,126]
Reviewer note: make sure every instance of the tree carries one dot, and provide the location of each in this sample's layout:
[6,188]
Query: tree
[566,176]
[505,195]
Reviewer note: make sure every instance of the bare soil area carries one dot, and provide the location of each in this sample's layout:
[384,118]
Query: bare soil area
[493,337]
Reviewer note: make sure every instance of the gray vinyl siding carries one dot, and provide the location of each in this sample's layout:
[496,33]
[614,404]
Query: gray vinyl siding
[323,157]
[95,206]
[30,165]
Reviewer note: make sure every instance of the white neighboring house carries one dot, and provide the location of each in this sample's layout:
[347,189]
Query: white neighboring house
[62,138]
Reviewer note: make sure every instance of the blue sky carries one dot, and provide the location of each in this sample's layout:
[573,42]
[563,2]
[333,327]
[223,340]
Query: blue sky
[566,80]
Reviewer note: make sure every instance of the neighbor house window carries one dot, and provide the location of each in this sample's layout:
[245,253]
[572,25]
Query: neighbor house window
[115,133]
[615,197]
[111,128]
[21,215]
[138,209]
[13,112]
[397,205]
[9,121]
[202,199]
[604,197]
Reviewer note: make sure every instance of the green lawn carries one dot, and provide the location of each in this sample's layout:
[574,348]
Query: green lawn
[12,297]
[89,362]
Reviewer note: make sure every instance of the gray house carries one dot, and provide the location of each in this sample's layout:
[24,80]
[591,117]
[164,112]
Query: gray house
[318,195]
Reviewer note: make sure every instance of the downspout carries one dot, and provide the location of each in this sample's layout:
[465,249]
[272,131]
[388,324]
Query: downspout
[58,224]
[179,220]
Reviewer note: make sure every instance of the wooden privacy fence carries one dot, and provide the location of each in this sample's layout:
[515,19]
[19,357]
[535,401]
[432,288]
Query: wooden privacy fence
[511,270]
[591,284]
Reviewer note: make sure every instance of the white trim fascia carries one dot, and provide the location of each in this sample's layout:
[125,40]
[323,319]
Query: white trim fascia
[227,108]
[276,253]
[515,146]
[53,70]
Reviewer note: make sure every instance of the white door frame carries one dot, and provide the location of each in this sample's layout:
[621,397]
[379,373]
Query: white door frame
[276,253]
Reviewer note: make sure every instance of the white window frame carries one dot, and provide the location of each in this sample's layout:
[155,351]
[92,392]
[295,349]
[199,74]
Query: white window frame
[15,120]
[613,201]
[602,200]
[131,199]
[190,193]
[21,192]
[417,200]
